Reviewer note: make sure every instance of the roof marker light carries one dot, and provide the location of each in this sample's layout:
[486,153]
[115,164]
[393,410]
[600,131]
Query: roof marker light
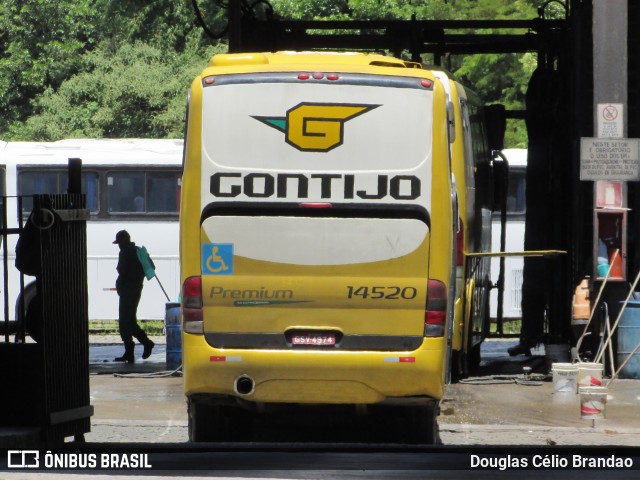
[426,83]
[210,80]
[303,76]
[332,76]
[318,75]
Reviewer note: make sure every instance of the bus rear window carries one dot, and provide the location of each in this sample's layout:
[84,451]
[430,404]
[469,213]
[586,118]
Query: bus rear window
[291,126]
[318,240]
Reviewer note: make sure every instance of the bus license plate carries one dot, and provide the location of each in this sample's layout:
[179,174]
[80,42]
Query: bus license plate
[314,339]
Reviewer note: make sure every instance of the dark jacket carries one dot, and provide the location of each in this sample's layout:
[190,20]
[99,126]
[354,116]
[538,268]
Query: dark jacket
[130,273]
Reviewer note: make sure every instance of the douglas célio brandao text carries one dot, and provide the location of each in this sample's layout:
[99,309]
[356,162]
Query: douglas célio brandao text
[509,462]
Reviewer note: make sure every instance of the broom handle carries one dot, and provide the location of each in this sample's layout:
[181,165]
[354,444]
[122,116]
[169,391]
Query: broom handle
[615,325]
[163,291]
[586,327]
[611,358]
[626,360]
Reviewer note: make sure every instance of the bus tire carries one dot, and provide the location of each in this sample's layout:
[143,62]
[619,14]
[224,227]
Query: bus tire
[29,318]
[215,423]
[459,369]
[422,425]
[201,422]
[474,356]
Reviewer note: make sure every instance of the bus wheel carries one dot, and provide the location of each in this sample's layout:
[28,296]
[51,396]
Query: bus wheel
[214,423]
[422,425]
[459,368]
[201,422]
[475,356]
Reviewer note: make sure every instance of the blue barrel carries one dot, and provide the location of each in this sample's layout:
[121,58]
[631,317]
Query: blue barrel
[628,338]
[173,329]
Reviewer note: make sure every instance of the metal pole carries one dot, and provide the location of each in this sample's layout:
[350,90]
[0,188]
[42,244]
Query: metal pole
[235,26]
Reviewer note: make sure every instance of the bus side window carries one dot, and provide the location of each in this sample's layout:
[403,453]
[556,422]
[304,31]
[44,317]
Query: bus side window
[142,192]
[90,188]
[122,190]
[34,182]
[515,196]
[160,189]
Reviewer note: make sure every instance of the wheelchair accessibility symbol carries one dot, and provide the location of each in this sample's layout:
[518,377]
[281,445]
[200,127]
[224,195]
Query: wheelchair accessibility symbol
[217,259]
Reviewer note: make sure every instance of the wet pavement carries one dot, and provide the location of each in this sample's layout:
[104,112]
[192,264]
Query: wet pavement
[144,402]
[104,349]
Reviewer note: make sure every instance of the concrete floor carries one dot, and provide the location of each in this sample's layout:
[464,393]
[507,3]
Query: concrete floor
[143,402]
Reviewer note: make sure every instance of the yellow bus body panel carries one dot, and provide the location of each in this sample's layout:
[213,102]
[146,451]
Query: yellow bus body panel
[459,166]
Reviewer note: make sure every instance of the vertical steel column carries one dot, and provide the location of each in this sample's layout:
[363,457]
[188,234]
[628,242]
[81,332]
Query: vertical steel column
[610,85]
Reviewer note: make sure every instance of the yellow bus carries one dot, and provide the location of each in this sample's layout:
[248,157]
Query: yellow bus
[472,165]
[320,235]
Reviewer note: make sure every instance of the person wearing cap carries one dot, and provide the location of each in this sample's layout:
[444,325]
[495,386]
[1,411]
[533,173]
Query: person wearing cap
[129,287]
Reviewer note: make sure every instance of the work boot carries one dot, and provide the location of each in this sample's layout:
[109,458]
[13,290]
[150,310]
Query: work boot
[128,354]
[126,357]
[148,346]
[520,349]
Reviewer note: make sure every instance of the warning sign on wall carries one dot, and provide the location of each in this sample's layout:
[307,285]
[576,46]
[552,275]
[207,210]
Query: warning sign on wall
[610,194]
[610,120]
[609,159]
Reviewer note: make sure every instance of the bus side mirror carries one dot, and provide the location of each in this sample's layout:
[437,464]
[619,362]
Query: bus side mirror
[496,121]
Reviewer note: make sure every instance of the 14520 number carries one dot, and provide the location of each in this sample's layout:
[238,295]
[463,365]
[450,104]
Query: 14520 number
[387,293]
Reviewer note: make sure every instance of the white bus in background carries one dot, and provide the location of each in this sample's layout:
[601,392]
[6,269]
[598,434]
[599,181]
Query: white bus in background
[516,210]
[130,184]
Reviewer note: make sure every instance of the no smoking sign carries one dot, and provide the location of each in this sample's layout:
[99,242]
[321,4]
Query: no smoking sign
[610,120]
[610,113]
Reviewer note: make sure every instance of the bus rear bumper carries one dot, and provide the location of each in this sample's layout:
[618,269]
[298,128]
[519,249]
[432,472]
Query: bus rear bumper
[313,376]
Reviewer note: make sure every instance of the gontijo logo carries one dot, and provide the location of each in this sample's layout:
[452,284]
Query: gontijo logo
[316,127]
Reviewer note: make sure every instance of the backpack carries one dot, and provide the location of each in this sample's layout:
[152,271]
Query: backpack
[147,264]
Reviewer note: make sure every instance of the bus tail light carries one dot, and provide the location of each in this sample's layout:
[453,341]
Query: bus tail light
[436,314]
[193,321]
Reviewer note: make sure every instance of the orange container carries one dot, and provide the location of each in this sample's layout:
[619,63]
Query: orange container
[581,305]
[616,266]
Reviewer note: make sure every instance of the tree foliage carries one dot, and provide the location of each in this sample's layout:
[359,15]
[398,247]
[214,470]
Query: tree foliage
[137,91]
[98,68]
[118,68]
[43,45]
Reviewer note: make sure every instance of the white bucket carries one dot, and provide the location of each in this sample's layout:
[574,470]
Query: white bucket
[589,374]
[593,402]
[565,377]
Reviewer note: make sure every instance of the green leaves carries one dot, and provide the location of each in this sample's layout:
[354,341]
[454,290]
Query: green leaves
[98,68]
[43,43]
[137,91]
